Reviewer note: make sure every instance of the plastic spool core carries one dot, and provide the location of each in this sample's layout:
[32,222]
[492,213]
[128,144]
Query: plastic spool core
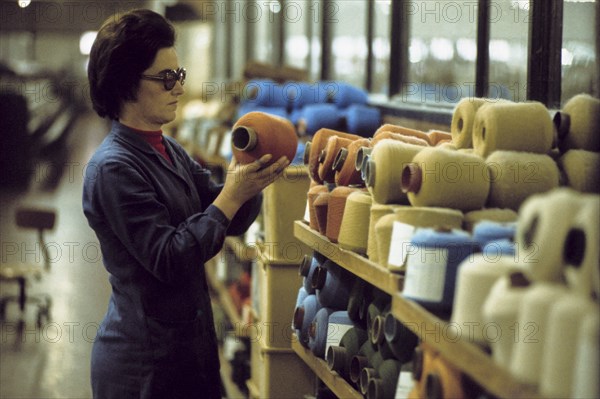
[244,138]
[366,375]
[562,123]
[390,328]
[339,160]
[370,170]
[360,155]
[336,357]
[433,387]
[375,390]
[483,133]
[377,336]
[460,126]
[518,280]
[322,156]
[530,232]
[312,330]
[305,266]
[412,178]
[298,318]
[306,156]
[574,248]
[319,277]
[356,365]
[417,361]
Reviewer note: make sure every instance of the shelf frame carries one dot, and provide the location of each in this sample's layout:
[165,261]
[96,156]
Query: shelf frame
[465,356]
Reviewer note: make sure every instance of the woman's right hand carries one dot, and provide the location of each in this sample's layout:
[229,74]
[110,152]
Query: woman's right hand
[244,182]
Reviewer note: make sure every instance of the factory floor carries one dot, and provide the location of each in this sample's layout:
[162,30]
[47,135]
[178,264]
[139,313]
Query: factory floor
[53,360]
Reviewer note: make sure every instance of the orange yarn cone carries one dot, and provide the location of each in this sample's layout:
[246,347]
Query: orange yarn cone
[345,172]
[328,155]
[257,133]
[385,134]
[405,131]
[313,149]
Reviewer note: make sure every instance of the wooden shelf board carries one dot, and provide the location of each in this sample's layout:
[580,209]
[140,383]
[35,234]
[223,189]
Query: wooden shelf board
[464,355]
[360,266]
[337,384]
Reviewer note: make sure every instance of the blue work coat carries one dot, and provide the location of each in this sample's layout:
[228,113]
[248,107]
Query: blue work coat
[156,227]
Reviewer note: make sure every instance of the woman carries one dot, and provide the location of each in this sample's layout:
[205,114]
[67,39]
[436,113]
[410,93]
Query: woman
[158,218]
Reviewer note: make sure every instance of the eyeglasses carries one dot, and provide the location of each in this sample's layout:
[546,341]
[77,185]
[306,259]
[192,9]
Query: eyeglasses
[169,78]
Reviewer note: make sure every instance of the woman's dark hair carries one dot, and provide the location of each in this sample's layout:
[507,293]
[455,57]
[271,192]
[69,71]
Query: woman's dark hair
[125,47]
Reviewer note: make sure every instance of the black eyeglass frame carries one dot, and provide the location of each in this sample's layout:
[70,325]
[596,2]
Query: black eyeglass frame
[169,78]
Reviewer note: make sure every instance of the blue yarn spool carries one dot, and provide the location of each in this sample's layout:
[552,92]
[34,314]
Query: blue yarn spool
[307,270]
[362,120]
[493,250]
[432,264]
[487,230]
[339,323]
[345,94]
[319,116]
[333,285]
[401,340]
[304,316]
[265,93]
[302,294]
[302,94]
[295,116]
[355,302]
[317,337]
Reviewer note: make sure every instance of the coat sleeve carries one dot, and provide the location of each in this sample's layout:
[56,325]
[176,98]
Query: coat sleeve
[141,222]
[208,191]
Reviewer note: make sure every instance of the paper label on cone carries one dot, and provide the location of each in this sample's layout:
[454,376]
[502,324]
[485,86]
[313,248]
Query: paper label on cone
[335,332]
[307,213]
[426,274]
[401,235]
[405,385]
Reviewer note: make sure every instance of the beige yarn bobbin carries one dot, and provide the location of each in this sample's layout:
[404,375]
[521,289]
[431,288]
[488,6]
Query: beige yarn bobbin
[513,127]
[463,117]
[377,212]
[581,170]
[384,170]
[515,176]
[578,124]
[447,179]
[354,229]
